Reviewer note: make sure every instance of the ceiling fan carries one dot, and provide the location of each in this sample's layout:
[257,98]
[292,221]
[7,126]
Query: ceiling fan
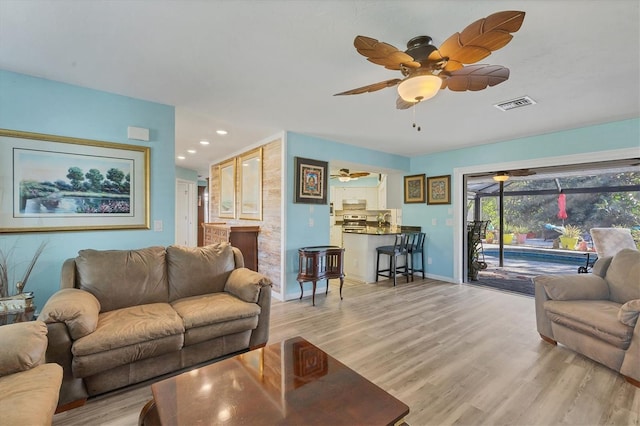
[427,69]
[344,175]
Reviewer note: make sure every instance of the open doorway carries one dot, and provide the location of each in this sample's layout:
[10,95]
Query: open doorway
[535,221]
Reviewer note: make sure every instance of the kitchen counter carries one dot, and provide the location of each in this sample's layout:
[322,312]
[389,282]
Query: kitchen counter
[374,230]
[360,252]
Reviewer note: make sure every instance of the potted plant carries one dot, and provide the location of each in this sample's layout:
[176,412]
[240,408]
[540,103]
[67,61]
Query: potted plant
[507,234]
[520,233]
[489,237]
[570,236]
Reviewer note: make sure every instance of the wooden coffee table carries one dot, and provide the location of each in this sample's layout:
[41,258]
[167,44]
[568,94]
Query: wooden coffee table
[291,382]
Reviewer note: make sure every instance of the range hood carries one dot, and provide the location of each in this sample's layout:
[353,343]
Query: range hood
[354,205]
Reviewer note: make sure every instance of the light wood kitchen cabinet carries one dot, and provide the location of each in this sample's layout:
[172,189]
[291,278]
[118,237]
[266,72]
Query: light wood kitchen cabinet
[245,238]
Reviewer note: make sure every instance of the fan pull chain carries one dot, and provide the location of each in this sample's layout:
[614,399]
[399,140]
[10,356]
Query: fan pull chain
[414,117]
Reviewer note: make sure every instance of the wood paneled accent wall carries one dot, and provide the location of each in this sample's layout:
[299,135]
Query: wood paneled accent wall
[270,236]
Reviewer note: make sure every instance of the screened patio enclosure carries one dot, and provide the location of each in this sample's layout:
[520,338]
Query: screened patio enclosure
[534,207]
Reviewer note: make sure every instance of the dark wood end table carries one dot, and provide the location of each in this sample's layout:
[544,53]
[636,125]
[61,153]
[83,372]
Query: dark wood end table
[320,263]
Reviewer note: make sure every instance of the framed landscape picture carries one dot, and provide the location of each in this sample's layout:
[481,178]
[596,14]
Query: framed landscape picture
[414,189]
[250,182]
[439,190]
[227,182]
[310,181]
[56,183]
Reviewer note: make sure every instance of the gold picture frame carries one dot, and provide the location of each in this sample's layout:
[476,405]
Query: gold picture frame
[227,190]
[439,189]
[250,182]
[414,189]
[59,183]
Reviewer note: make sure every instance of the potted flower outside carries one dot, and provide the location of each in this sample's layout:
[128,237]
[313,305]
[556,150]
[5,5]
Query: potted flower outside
[507,234]
[520,233]
[570,236]
[489,237]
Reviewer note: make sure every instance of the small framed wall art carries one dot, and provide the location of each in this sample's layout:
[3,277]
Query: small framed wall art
[439,189]
[414,189]
[310,181]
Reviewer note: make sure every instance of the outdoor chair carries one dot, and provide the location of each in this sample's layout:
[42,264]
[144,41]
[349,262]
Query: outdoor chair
[607,242]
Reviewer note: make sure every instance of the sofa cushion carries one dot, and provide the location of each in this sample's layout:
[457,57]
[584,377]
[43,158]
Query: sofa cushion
[122,278]
[22,346]
[198,270]
[596,318]
[574,287]
[30,397]
[628,313]
[130,326]
[212,309]
[623,276]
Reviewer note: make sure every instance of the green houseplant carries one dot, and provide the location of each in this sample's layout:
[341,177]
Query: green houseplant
[570,236]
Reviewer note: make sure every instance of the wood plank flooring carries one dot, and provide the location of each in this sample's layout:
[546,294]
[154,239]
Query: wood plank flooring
[456,354]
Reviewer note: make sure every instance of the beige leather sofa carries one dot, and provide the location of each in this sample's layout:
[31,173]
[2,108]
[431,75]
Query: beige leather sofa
[28,387]
[124,316]
[595,314]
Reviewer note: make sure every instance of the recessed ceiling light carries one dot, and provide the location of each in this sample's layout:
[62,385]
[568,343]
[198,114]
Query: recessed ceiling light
[181,157]
[221,132]
[203,142]
[191,151]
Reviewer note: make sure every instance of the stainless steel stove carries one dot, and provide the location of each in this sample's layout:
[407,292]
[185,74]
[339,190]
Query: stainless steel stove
[354,223]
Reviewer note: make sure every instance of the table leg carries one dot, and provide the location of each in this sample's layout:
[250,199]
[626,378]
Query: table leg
[327,290]
[301,290]
[313,296]
[341,282]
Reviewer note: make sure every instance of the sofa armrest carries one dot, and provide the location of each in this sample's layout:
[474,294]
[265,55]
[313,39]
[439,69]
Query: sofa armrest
[630,367]
[23,347]
[574,287]
[543,322]
[246,284]
[78,309]
[629,312]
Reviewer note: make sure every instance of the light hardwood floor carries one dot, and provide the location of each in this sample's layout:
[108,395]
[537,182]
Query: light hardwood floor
[455,354]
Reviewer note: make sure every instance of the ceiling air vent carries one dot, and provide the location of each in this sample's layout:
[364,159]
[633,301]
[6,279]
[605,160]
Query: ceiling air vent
[515,103]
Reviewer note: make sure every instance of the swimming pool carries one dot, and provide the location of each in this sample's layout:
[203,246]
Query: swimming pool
[566,257]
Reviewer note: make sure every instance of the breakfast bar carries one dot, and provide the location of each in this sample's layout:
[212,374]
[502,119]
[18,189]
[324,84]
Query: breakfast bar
[360,248]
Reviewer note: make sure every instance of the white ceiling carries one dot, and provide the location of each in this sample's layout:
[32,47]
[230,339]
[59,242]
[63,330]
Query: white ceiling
[255,68]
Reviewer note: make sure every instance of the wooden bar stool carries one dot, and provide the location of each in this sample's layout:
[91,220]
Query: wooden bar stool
[398,250]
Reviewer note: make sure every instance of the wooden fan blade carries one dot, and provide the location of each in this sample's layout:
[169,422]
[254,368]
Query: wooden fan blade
[479,39]
[358,174]
[402,104]
[371,88]
[475,77]
[521,172]
[384,54]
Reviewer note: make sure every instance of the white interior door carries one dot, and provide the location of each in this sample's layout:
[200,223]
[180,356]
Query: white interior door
[186,213]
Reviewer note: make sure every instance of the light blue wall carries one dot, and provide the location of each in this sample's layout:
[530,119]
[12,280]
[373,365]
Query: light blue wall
[43,106]
[298,232]
[610,136]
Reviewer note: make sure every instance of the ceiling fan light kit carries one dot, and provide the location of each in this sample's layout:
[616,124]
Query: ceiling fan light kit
[419,88]
[501,177]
